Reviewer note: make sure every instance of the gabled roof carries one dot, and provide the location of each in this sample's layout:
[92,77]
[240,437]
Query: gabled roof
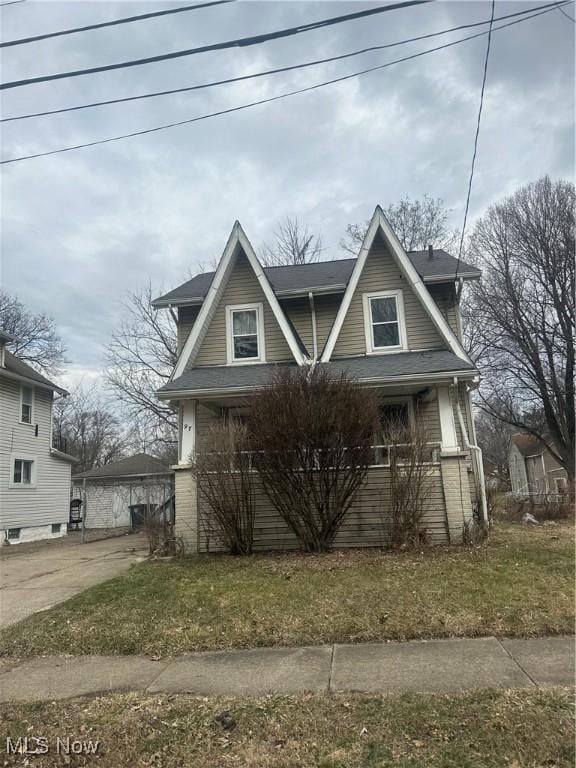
[18,369]
[380,368]
[379,225]
[139,465]
[322,277]
[237,243]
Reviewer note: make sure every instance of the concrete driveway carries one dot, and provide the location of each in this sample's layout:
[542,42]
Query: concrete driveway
[37,576]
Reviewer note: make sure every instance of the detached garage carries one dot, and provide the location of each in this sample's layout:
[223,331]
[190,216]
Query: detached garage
[119,494]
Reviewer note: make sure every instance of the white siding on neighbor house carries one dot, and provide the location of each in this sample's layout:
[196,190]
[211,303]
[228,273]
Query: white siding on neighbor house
[107,503]
[49,500]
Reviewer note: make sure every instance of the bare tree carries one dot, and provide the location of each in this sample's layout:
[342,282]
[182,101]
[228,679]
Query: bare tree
[416,223]
[139,359]
[522,313]
[86,428]
[36,340]
[410,457]
[221,466]
[293,245]
[494,440]
[312,435]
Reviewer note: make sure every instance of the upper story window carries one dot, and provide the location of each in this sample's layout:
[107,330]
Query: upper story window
[245,333]
[26,403]
[384,322]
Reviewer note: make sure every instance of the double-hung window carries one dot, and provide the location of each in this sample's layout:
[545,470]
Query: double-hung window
[26,404]
[245,333]
[23,472]
[384,322]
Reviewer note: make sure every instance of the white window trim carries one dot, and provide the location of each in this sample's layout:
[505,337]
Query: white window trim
[259,307]
[31,388]
[366,300]
[23,457]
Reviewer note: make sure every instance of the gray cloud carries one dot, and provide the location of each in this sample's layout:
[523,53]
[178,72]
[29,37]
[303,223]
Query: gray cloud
[81,230]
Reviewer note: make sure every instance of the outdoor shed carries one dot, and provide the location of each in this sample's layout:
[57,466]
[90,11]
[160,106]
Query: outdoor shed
[118,494]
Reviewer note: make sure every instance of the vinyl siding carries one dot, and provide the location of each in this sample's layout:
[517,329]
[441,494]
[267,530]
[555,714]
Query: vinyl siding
[242,288]
[49,501]
[517,467]
[326,311]
[299,314]
[186,319]
[366,524]
[382,273]
[444,294]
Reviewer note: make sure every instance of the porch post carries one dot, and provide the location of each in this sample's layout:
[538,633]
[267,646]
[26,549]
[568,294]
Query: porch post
[453,462]
[186,492]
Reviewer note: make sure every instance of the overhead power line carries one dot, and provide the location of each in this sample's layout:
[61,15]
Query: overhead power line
[559,6]
[279,70]
[113,23]
[241,107]
[477,134]
[241,42]
[12,2]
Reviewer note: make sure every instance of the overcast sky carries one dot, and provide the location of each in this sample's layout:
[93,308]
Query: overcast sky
[80,230]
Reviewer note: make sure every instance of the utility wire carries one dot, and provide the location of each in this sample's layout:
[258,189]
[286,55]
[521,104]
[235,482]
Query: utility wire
[12,2]
[565,13]
[115,22]
[486,58]
[241,42]
[279,70]
[268,100]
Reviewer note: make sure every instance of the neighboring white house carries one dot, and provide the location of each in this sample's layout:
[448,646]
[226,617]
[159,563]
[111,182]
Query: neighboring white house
[34,476]
[116,495]
[534,472]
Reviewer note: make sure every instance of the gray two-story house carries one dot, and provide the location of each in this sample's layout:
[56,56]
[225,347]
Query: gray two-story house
[34,476]
[387,318]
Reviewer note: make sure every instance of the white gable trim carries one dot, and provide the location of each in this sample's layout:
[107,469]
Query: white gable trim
[379,223]
[236,242]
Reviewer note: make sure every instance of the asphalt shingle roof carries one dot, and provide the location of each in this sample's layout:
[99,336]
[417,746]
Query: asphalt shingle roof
[322,274]
[139,464]
[365,367]
[528,445]
[14,365]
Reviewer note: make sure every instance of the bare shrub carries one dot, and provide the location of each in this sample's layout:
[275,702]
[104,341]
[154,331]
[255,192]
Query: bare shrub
[222,469]
[312,435]
[410,471]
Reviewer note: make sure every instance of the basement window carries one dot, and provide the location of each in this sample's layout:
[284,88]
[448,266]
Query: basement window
[13,534]
[56,527]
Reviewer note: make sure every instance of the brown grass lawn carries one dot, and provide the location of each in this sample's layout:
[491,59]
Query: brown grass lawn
[520,584]
[484,729]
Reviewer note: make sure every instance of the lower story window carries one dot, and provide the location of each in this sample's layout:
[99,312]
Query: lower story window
[13,534]
[56,527]
[22,472]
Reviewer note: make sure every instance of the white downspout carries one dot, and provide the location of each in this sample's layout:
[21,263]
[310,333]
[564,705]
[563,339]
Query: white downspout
[477,457]
[314,332]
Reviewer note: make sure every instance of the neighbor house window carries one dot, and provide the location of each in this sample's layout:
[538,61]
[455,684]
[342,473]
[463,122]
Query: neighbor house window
[22,472]
[56,527]
[26,403]
[384,321]
[13,534]
[245,333]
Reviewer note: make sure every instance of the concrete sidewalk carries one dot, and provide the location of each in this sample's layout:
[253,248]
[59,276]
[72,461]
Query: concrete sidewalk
[419,666]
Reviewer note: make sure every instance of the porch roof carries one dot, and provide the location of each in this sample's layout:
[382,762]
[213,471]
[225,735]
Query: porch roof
[365,368]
